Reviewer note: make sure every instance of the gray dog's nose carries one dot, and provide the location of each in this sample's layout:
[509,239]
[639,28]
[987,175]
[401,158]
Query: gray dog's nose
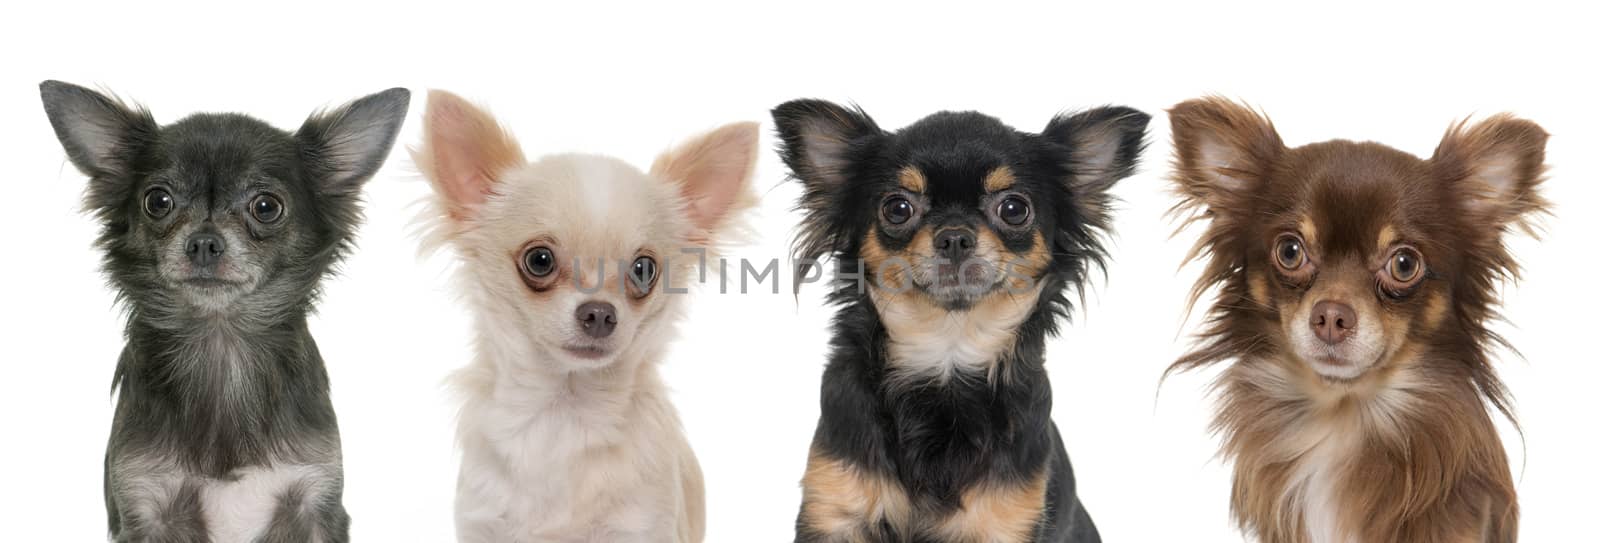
[598,319]
[204,249]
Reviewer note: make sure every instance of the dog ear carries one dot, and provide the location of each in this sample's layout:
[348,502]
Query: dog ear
[348,144]
[1497,164]
[101,135]
[463,150]
[818,138]
[1105,144]
[1222,150]
[713,174]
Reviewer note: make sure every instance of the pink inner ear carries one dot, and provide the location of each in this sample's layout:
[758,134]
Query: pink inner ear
[713,171]
[464,149]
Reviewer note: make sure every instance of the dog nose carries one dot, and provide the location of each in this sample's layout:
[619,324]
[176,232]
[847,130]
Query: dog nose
[955,244]
[1333,321]
[598,319]
[204,249]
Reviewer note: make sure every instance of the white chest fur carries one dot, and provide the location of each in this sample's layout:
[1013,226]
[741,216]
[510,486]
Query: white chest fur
[929,342]
[239,510]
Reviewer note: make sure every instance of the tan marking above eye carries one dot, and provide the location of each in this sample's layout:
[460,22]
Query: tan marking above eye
[999,179]
[1386,238]
[911,179]
[1308,231]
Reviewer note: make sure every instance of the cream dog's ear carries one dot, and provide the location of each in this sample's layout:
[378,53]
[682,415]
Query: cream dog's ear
[463,153]
[712,172]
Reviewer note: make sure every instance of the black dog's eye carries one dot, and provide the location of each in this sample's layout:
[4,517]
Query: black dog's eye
[158,203]
[538,261]
[266,208]
[898,210]
[1014,211]
[1290,253]
[643,275]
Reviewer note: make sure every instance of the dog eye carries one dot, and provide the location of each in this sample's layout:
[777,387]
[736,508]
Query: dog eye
[538,261]
[266,208]
[898,210]
[1014,211]
[1290,252]
[1405,267]
[643,275]
[158,203]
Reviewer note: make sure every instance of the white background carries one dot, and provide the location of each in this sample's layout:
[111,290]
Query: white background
[630,81]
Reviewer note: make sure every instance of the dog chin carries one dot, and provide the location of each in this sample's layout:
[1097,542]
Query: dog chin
[582,356]
[209,293]
[957,297]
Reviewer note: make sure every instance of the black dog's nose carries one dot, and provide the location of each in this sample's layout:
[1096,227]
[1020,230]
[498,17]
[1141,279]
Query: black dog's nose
[204,249]
[955,244]
[598,319]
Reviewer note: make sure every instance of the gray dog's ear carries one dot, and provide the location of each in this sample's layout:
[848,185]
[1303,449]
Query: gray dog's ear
[348,144]
[102,136]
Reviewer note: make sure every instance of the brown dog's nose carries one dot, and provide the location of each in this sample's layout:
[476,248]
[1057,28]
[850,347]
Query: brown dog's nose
[598,319]
[1333,321]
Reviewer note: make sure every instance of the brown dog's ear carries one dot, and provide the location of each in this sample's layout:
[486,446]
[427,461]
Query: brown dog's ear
[1222,150]
[713,174]
[463,151]
[1497,164]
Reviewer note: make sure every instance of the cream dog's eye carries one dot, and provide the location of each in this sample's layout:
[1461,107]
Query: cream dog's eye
[642,277]
[538,261]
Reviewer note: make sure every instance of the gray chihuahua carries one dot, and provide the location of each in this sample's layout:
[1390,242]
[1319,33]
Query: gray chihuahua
[217,230]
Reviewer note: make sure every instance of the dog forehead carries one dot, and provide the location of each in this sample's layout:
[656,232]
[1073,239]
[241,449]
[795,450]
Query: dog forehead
[1352,197]
[591,202]
[227,150]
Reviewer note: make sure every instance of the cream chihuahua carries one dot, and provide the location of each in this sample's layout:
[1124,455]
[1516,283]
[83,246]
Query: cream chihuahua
[574,267]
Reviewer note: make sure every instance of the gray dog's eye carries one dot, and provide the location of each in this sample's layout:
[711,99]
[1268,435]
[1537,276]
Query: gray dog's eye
[158,203]
[266,208]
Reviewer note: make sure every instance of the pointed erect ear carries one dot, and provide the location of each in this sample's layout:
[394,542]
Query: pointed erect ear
[1104,144]
[1222,149]
[463,151]
[819,138]
[1498,164]
[713,173]
[347,145]
[101,135]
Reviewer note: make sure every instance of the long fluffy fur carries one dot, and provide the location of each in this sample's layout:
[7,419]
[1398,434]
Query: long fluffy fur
[1408,453]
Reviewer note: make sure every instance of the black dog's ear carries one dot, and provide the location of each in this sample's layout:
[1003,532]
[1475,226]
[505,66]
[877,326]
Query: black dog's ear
[818,137]
[348,144]
[100,134]
[1105,144]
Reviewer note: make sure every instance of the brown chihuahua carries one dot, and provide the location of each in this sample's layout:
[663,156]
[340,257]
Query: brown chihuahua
[1354,282]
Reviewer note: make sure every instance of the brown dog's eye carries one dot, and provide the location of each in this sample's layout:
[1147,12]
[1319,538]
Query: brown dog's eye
[1289,253]
[158,203]
[266,208]
[898,210]
[1403,270]
[1014,211]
